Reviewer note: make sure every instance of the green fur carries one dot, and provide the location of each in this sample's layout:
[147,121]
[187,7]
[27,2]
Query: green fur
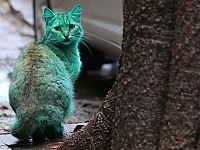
[42,86]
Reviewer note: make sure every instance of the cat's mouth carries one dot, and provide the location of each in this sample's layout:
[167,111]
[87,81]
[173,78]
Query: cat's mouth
[66,40]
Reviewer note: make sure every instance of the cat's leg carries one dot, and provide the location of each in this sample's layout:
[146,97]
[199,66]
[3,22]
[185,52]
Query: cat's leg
[54,130]
[38,136]
[69,109]
[49,126]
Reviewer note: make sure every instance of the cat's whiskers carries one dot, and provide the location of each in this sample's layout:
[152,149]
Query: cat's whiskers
[82,41]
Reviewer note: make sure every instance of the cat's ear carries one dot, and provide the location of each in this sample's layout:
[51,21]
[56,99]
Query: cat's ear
[48,14]
[76,11]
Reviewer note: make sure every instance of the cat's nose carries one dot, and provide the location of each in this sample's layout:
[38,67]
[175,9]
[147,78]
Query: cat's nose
[66,35]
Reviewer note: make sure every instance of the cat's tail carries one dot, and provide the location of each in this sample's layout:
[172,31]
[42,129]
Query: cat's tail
[23,128]
[41,126]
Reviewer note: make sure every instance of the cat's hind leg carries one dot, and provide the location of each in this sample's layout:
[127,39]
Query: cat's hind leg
[49,127]
[68,111]
[38,136]
[55,130]
[50,132]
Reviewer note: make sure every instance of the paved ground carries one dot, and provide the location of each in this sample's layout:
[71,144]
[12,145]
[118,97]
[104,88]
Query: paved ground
[16,32]
[83,112]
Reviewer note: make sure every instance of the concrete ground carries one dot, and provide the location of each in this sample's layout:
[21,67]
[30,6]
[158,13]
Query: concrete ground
[16,32]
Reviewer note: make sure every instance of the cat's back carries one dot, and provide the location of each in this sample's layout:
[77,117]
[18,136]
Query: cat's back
[36,60]
[37,73]
[34,55]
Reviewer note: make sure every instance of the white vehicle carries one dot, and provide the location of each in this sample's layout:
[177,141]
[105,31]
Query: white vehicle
[101,19]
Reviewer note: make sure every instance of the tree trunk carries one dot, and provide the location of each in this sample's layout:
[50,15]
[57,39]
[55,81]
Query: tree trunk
[181,124]
[154,103]
[148,35]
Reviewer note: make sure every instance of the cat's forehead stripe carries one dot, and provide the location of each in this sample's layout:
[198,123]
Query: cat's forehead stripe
[63,18]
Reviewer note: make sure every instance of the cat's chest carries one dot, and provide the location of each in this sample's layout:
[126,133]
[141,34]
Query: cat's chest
[71,60]
[73,67]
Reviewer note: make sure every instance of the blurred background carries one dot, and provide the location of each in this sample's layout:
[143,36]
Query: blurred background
[21,22]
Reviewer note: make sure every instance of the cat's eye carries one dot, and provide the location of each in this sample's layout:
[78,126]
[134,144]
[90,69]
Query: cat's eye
[71,26]
[58,28]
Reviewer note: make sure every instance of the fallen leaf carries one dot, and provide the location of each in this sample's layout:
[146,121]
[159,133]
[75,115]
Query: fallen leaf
[55,146]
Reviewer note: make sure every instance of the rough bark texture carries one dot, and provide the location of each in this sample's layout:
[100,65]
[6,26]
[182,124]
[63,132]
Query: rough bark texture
[97,134]
[148,34]
[154,103]
[181,124]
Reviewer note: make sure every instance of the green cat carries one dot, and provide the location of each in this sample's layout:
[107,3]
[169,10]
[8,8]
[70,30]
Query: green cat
[42,86]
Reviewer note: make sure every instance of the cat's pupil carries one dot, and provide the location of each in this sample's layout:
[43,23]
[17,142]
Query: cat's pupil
[71,26]
[58,28]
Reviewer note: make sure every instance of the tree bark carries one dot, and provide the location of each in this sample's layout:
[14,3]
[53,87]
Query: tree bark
[154,103]
[181,123]
[96,135]
[148,35]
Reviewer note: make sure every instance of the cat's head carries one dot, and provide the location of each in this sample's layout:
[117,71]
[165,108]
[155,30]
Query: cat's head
[63,28]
